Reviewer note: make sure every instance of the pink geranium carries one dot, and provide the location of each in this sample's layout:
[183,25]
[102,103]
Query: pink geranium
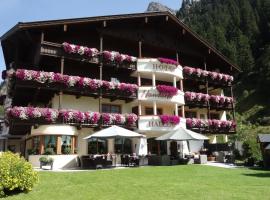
[166,90]
[169,119]
[168,61]
[131,119]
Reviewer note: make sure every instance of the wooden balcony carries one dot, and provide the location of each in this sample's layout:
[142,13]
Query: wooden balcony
[212,106]
[56,50]
[75,90]
[208,130]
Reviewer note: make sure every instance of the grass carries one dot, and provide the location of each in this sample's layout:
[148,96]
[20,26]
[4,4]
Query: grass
[173,182]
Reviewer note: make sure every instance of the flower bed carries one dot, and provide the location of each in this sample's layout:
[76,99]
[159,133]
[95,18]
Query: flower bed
[82,50]
[53,115]
[168,61]
[204,98]
[197,73]
[116,57]
[211,124]
[74,81]
[169,119]
[168,91]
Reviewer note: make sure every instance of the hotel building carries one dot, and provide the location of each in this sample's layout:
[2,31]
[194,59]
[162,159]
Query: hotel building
[147,72]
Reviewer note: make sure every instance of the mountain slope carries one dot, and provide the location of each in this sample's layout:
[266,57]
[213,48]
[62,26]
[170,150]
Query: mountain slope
[240,29]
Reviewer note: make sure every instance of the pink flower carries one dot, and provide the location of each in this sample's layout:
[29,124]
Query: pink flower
[169,119]
[213,75]
[166,90]
[188,70]
[214,98]
[198,72]
[168,61]
[131,119]
[205,73]
[222,99]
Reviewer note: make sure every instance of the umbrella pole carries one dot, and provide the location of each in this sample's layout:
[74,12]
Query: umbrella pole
[97,145]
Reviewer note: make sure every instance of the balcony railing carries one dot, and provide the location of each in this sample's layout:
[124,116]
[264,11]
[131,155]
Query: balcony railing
[194,99]
[35,115]
[164,70]
[155,94]
[88,55]
[75,84]
[211,126]
[163,123]
[203,76]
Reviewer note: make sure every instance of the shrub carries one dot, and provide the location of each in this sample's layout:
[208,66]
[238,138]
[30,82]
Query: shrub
[49,151]
[16,174]
[66,150]
[251,152]
[32,151]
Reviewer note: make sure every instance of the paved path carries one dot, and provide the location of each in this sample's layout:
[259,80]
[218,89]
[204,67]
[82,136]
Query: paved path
[223,165]
[213,164]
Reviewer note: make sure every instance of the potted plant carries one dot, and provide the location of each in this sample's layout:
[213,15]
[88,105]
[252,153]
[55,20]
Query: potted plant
[46,161]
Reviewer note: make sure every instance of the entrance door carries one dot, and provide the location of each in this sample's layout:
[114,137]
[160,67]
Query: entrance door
[173,148]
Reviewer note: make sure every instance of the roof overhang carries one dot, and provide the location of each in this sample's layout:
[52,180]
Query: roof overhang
[168,15]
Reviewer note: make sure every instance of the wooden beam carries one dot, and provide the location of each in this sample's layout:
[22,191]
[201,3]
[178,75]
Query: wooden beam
[42,37]
[140,49]
[65,27]
[58,144]
[100,74]
[146,20]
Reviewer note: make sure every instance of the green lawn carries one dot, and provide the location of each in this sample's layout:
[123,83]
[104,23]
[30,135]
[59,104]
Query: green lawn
[173,182]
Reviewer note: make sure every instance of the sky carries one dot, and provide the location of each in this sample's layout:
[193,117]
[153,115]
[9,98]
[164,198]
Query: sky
[14,11]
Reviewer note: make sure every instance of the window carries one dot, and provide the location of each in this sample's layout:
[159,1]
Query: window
[214,116]
[108,108]
[66,144]
[150,111]
[152,145]
[50,143]
[36,144]
[123,145]
[97,146]
[190,114]
[202,116]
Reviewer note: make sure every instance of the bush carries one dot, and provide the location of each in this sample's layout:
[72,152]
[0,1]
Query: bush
[32,151]
[66,150]
[49,151]
[16,174]
[251,152]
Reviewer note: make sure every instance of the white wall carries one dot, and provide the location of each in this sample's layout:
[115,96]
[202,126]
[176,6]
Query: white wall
[60,161]
[88,103]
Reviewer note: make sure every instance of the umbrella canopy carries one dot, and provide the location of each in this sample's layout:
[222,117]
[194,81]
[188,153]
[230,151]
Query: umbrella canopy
[113,132]
[182,134]
[267,147]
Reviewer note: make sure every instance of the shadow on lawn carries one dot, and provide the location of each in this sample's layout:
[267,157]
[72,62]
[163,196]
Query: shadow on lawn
[261,173]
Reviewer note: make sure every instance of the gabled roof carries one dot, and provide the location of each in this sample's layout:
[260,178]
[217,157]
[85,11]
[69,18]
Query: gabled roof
[21,26]
[264,138]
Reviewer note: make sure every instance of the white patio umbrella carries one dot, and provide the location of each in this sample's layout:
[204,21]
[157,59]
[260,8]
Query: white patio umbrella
[113,132]
[182,134]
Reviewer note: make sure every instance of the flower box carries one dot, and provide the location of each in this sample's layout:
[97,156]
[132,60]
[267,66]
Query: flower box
[49,115]
[203,75]
[51,79]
